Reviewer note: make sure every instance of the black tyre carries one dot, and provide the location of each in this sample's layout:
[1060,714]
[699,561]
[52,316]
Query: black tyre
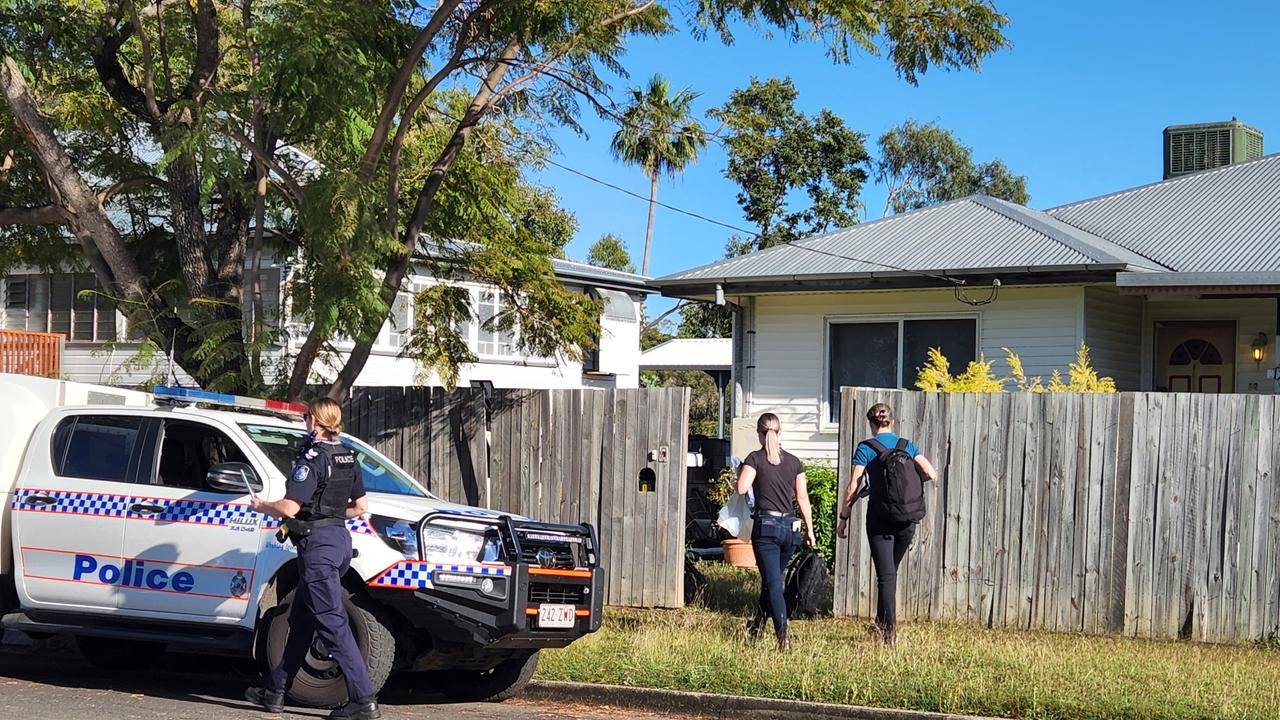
[496,684]
[112,654]
[319,682]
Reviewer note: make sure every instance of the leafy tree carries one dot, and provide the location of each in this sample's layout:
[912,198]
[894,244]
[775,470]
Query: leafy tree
[610,252]
[924,164]
[776,152]
[658,133]
[168,145]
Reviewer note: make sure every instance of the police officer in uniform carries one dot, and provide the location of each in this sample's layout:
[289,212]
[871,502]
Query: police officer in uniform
[323,491]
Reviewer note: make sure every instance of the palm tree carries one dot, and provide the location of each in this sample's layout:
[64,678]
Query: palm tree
[659,134]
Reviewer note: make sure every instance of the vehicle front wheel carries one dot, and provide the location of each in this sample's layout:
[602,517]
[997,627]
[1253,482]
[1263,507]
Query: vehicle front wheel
[113,654]
[319,682]
[505,680]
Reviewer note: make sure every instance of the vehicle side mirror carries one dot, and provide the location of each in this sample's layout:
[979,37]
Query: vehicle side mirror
[233,477]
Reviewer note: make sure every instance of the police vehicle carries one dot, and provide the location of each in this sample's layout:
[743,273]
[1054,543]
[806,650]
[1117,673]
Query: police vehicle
[126,523]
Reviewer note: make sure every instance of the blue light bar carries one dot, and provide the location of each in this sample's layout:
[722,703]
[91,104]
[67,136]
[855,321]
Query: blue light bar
[214,398]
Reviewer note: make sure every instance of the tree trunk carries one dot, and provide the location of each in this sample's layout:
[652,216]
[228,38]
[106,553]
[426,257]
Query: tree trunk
[648,233]
[398,266]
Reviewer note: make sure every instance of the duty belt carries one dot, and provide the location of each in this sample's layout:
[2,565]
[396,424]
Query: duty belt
[293,528]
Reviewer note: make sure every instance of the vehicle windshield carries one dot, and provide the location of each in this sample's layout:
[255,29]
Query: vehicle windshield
[280,444]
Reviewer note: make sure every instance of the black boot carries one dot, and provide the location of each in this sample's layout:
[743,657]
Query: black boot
[269,700]
[754,626]
[366,709]
[784,641]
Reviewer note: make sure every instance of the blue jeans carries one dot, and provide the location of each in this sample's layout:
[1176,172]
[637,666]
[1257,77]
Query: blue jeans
[772,541]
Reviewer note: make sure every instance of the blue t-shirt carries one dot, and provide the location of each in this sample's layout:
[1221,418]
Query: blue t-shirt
[865,454]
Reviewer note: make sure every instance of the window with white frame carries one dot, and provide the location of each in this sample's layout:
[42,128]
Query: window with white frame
[72,305]
[889,352]
[492,342]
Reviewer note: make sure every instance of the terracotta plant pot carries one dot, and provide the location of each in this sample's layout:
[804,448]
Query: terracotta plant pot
[738,553]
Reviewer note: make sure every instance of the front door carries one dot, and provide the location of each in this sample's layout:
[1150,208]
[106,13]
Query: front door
[192,548]
[1197,357]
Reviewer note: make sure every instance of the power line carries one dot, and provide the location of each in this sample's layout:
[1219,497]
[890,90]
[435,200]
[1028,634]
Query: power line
[528,153]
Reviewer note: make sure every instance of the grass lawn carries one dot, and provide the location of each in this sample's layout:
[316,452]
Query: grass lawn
[945,667]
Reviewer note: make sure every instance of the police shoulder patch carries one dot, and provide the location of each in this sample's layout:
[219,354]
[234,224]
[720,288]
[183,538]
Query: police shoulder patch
[301,472]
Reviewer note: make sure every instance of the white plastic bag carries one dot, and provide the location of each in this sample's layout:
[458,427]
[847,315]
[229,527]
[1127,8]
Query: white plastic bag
[735,517]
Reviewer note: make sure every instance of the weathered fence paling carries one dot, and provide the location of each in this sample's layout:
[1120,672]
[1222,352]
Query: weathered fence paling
[1155,515]
[564,456]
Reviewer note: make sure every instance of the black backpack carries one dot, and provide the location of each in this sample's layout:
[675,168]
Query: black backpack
[806,584]
[897,493]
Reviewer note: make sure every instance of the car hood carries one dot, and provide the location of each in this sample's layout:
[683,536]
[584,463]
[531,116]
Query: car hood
[407,507]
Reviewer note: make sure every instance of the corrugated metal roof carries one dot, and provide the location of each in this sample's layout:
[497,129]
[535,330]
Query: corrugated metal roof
[583,271]
[972,234]
[689,354]
[1221,220]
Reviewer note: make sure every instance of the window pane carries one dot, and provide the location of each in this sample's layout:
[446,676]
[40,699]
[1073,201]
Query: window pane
[99,447]
[189,450]
[15,302]
[61,293]
[958,340]
[861,354]
[82,307]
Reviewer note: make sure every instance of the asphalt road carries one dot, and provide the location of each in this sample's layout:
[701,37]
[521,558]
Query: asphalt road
[55,684]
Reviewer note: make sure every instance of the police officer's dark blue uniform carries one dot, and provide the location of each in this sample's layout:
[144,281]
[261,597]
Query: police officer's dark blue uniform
[325,478]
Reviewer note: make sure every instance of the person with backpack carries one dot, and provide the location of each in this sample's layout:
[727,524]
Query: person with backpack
[778,480]
[894,471]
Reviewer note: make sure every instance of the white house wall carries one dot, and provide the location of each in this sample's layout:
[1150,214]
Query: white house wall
[1112,327]
[1044,325]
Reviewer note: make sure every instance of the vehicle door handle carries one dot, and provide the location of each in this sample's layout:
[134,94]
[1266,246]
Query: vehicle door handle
[146,509]
[39,500]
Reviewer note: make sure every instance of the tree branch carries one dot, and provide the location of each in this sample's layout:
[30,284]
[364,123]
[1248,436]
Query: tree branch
[395,93]
[205,67]
[291,186]
[130,184]
[148,63]
[43,215]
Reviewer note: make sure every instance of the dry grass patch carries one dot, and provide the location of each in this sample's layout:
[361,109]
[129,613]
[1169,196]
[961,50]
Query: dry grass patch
[945,667]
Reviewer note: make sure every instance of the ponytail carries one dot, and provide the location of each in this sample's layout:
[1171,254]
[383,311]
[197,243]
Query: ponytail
[768,426]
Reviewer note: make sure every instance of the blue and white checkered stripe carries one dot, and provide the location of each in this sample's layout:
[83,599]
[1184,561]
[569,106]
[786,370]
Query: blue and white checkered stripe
[196,512]
[74,503]
[417,575]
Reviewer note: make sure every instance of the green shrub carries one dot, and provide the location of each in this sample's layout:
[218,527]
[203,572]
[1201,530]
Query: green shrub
[824,484]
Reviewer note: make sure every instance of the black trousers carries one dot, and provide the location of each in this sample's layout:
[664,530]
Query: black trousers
[318,612]
[889,543]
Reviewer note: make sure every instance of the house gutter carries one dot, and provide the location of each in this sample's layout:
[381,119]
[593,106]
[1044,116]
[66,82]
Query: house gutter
[703,288]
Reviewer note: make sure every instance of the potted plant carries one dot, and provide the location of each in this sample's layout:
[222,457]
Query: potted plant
[736,552]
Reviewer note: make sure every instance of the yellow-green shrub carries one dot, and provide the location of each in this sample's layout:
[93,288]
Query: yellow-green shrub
[936,376]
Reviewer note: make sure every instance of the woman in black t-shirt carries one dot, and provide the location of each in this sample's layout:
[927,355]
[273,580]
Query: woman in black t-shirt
[779,482]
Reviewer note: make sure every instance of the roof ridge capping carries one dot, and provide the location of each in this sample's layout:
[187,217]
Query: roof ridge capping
[1092,246]
[1201,174]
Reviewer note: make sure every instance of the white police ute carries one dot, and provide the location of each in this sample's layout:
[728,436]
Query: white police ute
[126,523]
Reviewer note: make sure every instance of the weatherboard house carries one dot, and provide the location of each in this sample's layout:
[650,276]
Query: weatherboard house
[1173,286]
[98,347]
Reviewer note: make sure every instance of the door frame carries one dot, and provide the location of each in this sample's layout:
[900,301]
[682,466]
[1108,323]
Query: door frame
[1155,345]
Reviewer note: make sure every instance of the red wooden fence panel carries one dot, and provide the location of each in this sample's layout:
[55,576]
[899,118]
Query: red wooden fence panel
[30,353]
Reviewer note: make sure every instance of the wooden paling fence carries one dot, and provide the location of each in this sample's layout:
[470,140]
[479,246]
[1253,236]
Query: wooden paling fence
[612,458]
[1148,514]
[30,353]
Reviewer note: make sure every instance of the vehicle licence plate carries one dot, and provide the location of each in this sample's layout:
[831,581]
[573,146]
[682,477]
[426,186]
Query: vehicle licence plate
[556,616]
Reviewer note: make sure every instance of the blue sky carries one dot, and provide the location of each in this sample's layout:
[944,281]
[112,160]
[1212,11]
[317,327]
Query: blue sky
[1077,105]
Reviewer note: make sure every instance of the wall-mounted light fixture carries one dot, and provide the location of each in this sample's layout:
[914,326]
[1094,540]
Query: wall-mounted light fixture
[1258,348]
